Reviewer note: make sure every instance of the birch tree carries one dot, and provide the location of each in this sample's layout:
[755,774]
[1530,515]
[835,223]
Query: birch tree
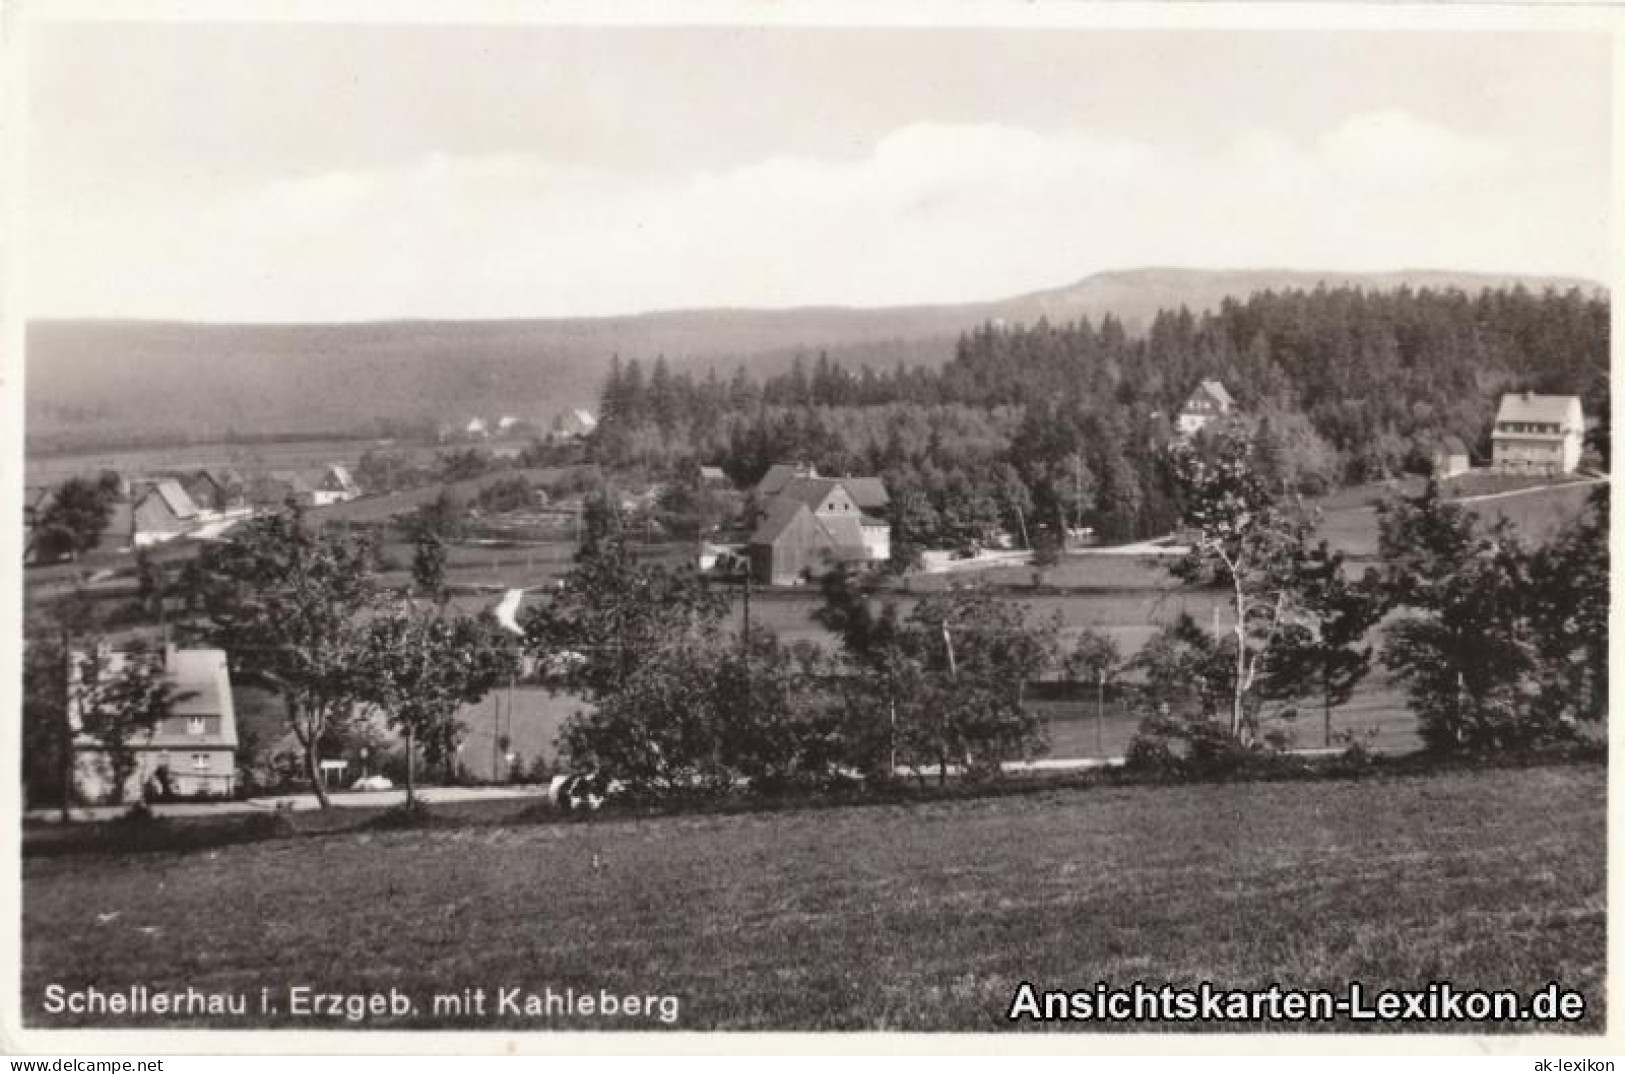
[1243,537]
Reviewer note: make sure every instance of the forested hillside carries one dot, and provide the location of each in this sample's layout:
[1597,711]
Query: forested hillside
[115,383]
[1061,424]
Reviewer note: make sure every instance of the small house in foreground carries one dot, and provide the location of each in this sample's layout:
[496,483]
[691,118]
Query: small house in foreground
[1538,434]
[192,752]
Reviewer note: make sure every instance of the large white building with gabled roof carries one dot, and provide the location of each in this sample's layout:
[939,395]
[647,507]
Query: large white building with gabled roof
[1538,434]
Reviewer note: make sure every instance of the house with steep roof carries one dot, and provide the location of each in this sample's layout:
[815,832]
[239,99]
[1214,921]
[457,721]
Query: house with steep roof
[193,750]
[844,531]
[1450,458]
[792,545]
[1537,434]
[573,424]
[333,485]
[778,476]
[1209,402]
[162,512]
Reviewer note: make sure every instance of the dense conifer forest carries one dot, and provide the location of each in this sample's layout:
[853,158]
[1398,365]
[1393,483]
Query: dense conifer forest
[1045,425]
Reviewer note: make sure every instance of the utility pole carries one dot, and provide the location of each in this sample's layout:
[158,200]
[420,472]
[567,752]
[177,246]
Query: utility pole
[1100,713]
[66,759]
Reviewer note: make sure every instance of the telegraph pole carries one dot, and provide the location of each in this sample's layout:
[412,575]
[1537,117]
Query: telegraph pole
[1100,713]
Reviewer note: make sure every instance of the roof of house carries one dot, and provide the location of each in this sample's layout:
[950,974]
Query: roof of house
[781,515]
[713,473]
[781,474]
[341,476]
[811,491]
[1216,390]
[867,492]
[202,683]
[174,497]
[845,530]
[1544,409]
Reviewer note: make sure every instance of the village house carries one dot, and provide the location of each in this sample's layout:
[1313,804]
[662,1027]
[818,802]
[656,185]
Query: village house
[1538,434]
[334,485]
[162,512]
[792,545]
[1209,402]
[714,476]
[573,424]
[204,489]
[846,523]
[193,751]
[476,429]
[1450,459]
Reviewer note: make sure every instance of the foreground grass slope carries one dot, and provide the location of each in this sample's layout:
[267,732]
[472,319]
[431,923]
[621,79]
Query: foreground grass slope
[886,917]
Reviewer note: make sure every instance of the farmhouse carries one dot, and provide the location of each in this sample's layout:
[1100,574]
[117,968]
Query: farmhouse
[1538,434]
[1209,402]
[792,544]
[714,476]
[193,751]
[161,513]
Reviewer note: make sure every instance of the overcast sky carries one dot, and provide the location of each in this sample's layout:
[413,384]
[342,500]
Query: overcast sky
[284,173]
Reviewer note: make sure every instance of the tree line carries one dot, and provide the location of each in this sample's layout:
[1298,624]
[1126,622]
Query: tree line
[1060,425]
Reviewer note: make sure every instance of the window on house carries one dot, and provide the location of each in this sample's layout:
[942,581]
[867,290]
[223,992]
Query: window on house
[200,762]
[196,726]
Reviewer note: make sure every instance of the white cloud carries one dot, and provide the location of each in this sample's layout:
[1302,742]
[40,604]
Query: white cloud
[931,212]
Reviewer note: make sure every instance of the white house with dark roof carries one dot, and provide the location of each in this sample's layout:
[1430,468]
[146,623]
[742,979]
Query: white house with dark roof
[194,749]
[1538,434]
[1209,402]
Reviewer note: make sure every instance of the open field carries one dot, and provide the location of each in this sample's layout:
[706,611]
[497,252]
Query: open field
[43,469]
[921,917]
[1536,515]
[1129,616]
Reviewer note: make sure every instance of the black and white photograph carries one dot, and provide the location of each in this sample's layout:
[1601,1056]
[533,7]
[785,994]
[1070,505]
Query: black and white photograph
[1052,520]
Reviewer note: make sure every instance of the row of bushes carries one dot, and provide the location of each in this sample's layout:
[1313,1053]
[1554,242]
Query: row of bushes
[142,831]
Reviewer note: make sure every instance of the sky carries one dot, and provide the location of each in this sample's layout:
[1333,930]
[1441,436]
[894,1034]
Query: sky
[337,173]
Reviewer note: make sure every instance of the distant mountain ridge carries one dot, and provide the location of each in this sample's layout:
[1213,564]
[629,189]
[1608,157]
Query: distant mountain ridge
[119,381]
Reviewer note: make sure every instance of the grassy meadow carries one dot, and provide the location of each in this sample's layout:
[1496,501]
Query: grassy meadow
[887,917]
